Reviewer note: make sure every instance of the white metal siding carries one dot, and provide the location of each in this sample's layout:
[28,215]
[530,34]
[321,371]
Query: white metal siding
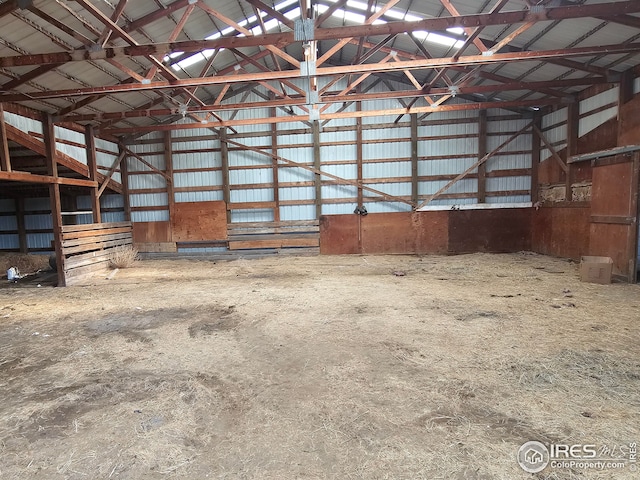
[24,124]
[557,136]
[75,152]
[591,122]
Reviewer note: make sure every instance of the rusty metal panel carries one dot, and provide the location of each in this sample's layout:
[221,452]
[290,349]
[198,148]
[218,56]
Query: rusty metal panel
[388,233]
[381,233]
[561,231]
[611,240]
[630,123]
[613,231]
[611,190]
[496,230]
[339,234]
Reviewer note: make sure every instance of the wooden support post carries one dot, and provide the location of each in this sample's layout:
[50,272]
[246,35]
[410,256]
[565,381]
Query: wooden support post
[626,87]
[124,181]
[224,155]
[274,163]
[359,154]
[54,194]
[317,164]
[414,158]
[573,120]
[535,158]
[5,158]
[22,229]
[482,151]
[168,168]
[92,163]
[634,210]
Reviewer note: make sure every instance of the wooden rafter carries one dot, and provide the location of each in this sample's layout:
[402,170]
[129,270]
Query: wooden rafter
[470,60]
[430,24]
[328,97]
[337,115]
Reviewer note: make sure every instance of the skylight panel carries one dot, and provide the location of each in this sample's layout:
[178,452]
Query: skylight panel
[293,14]
[187,62]
[285,4]
[357,5]
[456,30]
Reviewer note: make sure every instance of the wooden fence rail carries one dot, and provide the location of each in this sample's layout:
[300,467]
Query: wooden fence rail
[86,249]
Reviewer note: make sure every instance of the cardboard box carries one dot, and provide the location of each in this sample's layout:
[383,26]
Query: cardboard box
[596,269]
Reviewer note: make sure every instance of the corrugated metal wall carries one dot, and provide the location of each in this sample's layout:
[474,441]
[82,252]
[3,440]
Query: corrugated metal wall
[604,107]
[8,225]
[23,123]
[554,127]
[511,165]
[148,196]
[106,154]
[71,143]
[447,145]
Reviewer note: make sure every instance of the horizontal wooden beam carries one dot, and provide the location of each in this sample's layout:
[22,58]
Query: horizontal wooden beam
[333,98]
[337,115]
[285,38]
[419,64]
[26,177]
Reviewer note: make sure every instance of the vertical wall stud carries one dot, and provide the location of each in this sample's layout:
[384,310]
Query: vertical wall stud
[54,194]
[414,158]
[276,182]
[92,163]
[573,121]
[359,151]
[482,151]
[5,159]
[124,181]
[535,157]
[224,155]
[168,167]
[317,164]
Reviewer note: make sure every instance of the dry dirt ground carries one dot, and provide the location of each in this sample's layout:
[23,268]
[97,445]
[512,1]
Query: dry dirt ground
[317,368]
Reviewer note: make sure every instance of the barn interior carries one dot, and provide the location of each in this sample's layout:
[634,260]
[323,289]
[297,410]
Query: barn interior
[330,150]
[257,127]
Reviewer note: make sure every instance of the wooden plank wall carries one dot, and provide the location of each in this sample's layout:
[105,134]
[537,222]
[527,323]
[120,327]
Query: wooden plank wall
[561,231]
[436,232]
[87,248]
[614,211]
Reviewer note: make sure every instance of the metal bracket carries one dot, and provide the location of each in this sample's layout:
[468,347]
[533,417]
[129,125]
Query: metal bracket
[537,9]
[93,48]
[308,69]
[304,29]
[312,98]
[314,113]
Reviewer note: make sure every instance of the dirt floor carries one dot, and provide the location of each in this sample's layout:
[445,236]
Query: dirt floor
[358,367]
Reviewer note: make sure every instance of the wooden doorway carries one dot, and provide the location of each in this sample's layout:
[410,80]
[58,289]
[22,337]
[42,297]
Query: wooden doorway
[614,212]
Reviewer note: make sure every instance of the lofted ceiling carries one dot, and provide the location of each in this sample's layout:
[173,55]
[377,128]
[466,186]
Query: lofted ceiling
[130,66]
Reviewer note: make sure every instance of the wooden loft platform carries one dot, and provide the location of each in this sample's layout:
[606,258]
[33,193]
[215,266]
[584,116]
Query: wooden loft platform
[24,160]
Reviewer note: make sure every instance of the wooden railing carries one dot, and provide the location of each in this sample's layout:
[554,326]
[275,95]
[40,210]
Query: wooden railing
[86,249]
